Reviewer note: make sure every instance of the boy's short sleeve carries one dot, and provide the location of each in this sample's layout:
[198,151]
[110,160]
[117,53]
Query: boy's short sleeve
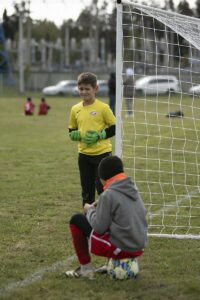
[72,120]
[109,117]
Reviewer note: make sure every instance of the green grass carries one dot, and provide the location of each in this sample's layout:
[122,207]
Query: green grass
[39,191]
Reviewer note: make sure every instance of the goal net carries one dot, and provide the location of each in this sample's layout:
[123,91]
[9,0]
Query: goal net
[158,114]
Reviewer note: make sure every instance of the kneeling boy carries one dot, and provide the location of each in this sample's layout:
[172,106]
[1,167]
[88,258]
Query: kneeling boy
[114,227]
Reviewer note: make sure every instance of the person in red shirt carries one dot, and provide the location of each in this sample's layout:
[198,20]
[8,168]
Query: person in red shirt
[43,108]
[29,107]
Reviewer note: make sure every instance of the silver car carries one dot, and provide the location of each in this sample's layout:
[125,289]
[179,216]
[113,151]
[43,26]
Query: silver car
[64,87]
[194,90]
[157,84]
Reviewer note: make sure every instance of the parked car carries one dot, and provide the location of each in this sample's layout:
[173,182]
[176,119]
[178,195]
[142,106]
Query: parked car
[102,90]
[194,90]
[64,87]
[157,84]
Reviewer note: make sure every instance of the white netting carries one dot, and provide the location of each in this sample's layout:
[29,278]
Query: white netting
[158,122]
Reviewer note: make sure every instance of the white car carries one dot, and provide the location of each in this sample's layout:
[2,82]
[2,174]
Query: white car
[157,84]
[194,90]
[103,88]
[64,87]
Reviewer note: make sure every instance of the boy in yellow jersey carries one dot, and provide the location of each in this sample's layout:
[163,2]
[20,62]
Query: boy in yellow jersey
[91,124]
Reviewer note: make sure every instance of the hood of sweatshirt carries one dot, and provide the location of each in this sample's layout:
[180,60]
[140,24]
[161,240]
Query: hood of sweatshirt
[126,187]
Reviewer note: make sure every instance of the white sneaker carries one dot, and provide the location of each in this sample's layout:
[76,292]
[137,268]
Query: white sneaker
[79,272]
[102,270]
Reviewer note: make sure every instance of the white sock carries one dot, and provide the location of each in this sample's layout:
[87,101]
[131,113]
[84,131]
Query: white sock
[87,267]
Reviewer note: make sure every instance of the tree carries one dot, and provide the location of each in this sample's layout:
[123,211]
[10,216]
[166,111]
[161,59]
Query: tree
[183,52]
[169,5]
[197,10]
[10,25]
[184,8]
[45,30]
[95,22]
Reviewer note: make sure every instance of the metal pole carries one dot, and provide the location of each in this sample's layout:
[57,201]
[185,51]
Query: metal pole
[67,45]
[119,68]
[20,53]
[28,49]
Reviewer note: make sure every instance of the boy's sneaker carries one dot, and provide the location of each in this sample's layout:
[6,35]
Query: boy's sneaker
[102,270]
[80,272]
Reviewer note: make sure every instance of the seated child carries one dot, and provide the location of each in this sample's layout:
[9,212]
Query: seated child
[29,107]
[44,107]
[114,227]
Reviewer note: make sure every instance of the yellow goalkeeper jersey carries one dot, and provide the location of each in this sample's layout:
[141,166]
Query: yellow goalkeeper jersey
[97,116]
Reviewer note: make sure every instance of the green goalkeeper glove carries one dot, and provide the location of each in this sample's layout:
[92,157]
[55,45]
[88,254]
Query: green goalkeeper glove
[75,135]
[102,135]
[91,137]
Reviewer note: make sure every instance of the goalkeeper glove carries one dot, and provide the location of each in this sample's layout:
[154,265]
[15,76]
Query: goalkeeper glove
[91,137]
[102,135]
[75,135]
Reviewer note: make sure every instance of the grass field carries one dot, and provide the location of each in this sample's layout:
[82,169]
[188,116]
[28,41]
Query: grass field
[39,191]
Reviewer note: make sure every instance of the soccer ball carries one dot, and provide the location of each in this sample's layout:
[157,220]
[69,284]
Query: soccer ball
[123,268]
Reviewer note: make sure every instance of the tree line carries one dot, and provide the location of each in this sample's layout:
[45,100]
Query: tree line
[81,28]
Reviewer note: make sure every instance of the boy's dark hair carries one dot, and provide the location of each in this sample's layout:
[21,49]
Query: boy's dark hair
[87,78]
[110,166]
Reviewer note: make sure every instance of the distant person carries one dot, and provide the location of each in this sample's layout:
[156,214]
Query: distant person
[29,107]
[44,107]
[112,91]
[128,91]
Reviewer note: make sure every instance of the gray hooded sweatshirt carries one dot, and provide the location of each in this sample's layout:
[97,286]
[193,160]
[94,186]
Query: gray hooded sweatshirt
[121,212]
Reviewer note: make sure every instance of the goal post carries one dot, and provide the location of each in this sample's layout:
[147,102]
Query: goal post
[119,81]
[158,114]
